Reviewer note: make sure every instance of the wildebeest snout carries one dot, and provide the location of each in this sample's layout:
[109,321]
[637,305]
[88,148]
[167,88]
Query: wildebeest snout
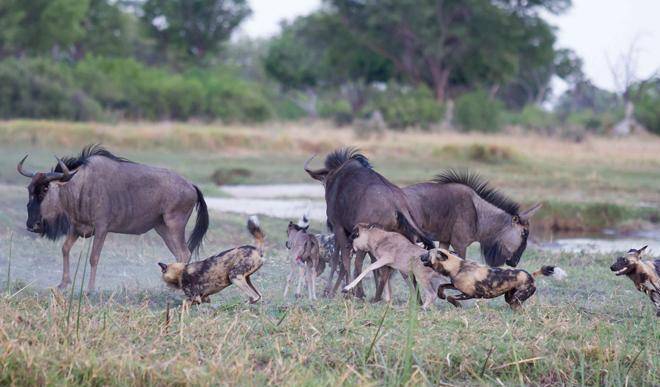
[34,226]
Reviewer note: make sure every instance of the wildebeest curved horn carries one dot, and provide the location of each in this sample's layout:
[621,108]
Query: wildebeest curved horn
[19,168]
[306,166]
[319,174]
[66,174]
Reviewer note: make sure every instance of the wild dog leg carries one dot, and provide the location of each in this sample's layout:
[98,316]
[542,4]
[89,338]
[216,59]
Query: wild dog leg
[441,290]
[461,297]
[333,268]
[242,284]
[378,264]
[516,297]
[249,282]
[97,245]
[71,239]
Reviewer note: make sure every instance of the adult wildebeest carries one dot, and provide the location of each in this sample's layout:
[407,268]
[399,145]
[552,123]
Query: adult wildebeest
[355,193]
[97,192]
[458,208]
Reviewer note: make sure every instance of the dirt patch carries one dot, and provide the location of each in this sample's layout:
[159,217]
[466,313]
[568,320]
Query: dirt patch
[224,176]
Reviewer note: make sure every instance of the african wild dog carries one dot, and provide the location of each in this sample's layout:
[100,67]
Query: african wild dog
[395,251]
[200,279]
[305,259]
[474,280]
[644,274]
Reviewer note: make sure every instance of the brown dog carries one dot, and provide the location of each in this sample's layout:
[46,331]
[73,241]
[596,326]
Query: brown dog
[474,280]
[393,250]
[644,274]
[199,280]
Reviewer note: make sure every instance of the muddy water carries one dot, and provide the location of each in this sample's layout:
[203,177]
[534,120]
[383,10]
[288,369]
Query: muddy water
[290,201]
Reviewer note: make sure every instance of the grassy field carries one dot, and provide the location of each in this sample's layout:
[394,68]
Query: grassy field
[593,329]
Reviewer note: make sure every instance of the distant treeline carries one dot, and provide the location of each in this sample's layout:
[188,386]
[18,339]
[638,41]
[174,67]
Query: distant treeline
[473,64]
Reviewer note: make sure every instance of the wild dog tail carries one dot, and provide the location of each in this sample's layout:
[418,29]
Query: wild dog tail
[551,271]
[408,226]
[255,230]
[201,224]
[303,222]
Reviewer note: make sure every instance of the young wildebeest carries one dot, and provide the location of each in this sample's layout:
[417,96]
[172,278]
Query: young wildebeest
[328,253]
[199,280]
[355,193]
[97,193]
[305,259]
[395,251]
[474,280]
[644,274]
[459,208]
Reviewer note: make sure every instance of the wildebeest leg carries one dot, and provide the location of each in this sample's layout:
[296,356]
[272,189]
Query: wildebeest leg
[242,284]
[167,237]
[289,278]
[301,276]
[382,278]
[310,274]
[376,265]
[71,239]
[359,261]
[175,226]
[97,245]
[345,253]
[387,290]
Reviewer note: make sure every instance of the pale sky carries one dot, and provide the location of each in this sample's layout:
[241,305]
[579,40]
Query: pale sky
[595,29]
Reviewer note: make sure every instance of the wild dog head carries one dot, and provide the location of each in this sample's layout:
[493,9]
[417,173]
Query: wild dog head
[442,261]
[45,213]
[627,264]
[172,273]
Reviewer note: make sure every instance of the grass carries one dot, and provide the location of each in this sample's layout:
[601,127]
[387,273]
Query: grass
[594,329]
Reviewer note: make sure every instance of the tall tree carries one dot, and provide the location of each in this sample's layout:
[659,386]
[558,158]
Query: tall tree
[447,44]
[196,28]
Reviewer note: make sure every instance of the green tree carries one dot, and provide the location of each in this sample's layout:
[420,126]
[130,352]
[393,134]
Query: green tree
[108,31]
[194,28]
[51,24]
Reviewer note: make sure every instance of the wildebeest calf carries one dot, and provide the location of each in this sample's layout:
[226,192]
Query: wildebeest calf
[199,280]
[395,251]
[644,274]
[305,259]
[474,280]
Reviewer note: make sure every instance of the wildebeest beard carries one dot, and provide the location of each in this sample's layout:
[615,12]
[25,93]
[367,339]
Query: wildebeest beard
[56,228]
[493,253]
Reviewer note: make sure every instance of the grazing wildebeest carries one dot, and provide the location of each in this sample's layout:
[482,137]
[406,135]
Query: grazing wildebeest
[355,193]
[459,208]
[97,192]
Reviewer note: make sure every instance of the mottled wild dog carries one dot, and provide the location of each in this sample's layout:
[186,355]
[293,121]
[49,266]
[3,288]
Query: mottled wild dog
[305,259]
[644,274]
[474,280]
[395,251]
[200,279]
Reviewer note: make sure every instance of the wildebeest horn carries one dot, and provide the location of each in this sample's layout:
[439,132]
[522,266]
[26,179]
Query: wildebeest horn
[319,174]
[19,168]
[306,163]
[66,174]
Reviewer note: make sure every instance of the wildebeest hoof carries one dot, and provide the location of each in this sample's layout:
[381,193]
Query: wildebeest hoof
[375,300]
[298,296]
[344,290]
[63,285]
[254,300]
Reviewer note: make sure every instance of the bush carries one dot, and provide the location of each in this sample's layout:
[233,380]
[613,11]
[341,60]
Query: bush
[403,108]
[594,122]
[477,111]
[647,109]
[35,88]
[534,118]
[339,111]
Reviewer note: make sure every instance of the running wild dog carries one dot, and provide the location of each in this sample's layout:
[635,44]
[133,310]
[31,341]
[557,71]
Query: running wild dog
[305,259]
[395,251]
[474,280]
[200,279]
[644,274]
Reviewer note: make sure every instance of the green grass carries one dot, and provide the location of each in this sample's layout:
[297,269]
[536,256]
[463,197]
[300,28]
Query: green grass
[593,329]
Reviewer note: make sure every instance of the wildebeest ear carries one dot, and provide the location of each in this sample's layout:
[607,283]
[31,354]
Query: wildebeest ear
[163,266]
[525,215]
[642,249]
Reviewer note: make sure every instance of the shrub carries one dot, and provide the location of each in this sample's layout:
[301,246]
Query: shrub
[535,118]
[477,111]
[338,110]
[36,88]
[647,109]
[403,108]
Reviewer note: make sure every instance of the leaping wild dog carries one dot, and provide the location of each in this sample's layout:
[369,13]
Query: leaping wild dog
[475,280]
[644,274]
[395,251]
[200,279]
[305,259]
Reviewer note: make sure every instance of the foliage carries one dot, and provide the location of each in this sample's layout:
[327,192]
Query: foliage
[533,117]
[647,107]
[336,109]
[403,107]
[193,28]
[477,111]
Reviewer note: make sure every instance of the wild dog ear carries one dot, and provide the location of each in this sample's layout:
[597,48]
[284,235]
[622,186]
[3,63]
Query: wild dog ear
[530,211]
[163,266]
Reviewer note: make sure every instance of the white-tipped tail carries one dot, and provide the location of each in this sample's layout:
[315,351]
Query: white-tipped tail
[551,271]
[255,230]
[303,222]
[558,273]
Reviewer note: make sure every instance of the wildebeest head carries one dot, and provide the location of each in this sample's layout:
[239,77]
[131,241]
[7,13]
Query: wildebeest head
[291,230]
[511,241]
[45,214]
[627,264]
[298,242]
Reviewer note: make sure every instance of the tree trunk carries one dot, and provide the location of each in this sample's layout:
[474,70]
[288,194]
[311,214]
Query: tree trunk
[440,78]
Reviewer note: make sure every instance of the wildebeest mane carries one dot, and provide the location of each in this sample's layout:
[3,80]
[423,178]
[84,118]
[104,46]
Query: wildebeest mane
[84,156]
[481,187]
[340,156]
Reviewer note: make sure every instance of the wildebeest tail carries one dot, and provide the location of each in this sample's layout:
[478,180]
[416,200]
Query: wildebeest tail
[551,271]
[409,228]
[256,231]
[201,224]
